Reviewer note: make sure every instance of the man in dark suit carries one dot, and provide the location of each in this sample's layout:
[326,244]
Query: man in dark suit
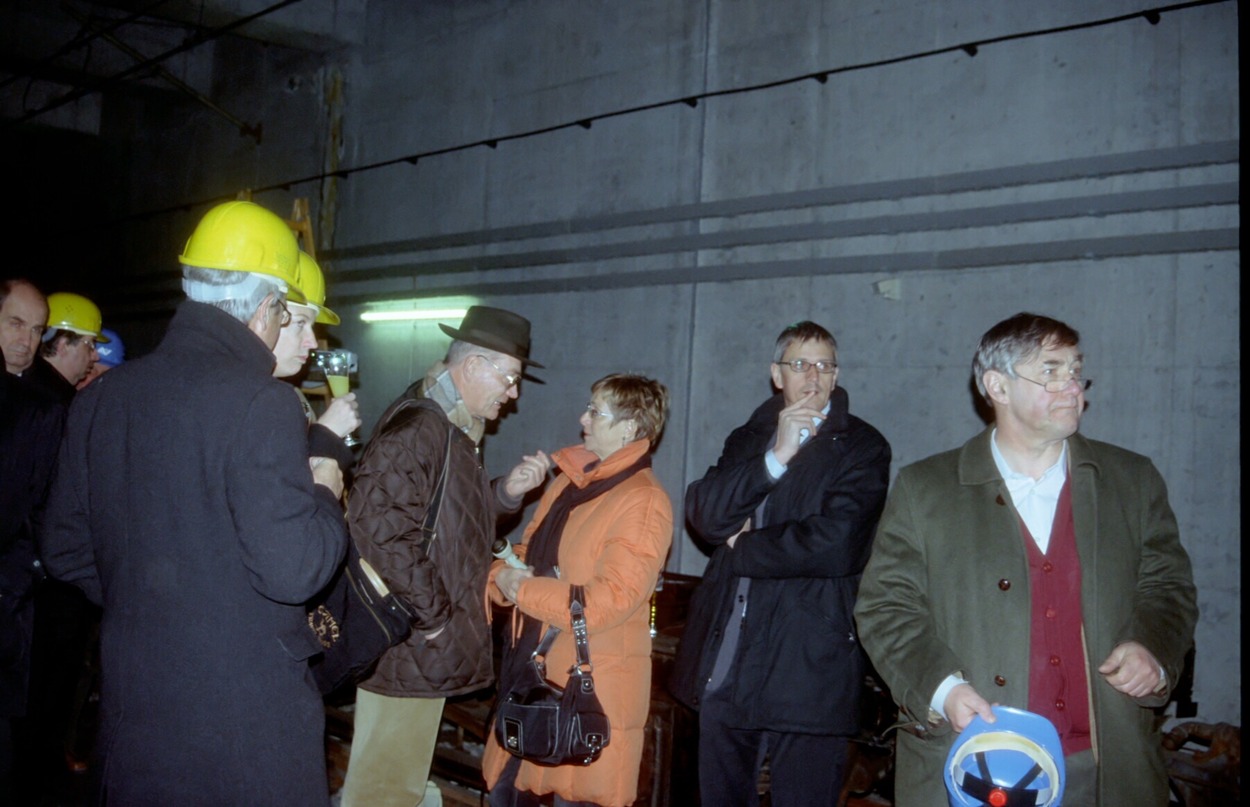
[770,657]
[30,431]
[64,620]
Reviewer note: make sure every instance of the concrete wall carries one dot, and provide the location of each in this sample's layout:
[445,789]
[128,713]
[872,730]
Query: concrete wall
[1089,174]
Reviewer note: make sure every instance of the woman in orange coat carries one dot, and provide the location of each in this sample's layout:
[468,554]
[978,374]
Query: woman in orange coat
[605,524]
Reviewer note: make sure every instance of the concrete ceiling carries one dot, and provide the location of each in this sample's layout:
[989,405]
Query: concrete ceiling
[56,59]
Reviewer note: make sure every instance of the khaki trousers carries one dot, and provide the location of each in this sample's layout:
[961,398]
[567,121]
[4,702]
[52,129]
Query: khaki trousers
[393,743]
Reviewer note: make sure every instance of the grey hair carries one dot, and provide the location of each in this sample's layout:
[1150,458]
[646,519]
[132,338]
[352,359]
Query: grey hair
[1017,340]
[805,331]
[460,350]
[210,286]
[638,398]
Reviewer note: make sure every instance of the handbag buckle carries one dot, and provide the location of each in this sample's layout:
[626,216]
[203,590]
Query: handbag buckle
[512,735]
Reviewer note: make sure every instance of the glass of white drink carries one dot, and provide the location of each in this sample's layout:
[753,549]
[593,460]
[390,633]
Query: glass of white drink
[338,366]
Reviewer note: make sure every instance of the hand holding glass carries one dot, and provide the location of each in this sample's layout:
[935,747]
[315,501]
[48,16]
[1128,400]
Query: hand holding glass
[338,365]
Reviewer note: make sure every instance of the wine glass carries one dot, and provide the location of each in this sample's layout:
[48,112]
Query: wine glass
[337,366]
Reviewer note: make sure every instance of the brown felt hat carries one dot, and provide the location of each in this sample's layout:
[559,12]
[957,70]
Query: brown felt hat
[495,329]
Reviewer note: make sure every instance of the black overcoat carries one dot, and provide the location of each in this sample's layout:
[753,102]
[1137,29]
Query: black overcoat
[799,666]
[183,503]
[30,432]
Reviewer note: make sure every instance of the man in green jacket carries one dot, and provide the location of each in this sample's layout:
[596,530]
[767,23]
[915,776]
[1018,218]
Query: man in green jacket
[1031,568]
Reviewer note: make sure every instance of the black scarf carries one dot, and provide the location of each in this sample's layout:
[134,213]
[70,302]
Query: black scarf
[544,550]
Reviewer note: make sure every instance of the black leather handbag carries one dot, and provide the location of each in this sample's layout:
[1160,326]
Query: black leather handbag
[543,723]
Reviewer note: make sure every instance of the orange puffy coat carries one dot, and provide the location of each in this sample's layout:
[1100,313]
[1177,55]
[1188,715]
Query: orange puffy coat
[614,546]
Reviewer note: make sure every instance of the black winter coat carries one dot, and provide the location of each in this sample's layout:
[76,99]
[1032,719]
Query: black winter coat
[183,503]
[30,433]
[47,381]
[799,666]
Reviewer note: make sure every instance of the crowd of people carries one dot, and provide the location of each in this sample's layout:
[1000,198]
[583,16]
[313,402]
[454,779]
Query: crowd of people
[173,519]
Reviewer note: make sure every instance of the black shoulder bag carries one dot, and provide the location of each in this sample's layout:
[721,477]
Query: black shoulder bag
[355,620]
[540,722]
[358,618]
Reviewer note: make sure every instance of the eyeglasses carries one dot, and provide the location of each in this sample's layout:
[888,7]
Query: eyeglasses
[512,378]
[801,365]
[286,312]
[595,414]
[1061,384]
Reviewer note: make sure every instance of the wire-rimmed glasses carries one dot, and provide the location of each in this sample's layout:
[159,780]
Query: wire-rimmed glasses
[801,366]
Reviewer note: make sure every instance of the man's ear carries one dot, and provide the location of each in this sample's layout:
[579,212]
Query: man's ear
[260,317]
[775,370]
[994,381]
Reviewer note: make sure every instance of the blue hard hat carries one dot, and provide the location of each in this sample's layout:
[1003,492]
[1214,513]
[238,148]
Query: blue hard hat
[112,352]
[1014,762]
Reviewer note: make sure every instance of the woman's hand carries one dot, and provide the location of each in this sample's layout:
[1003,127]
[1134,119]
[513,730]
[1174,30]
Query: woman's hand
[342,416]
[509,581]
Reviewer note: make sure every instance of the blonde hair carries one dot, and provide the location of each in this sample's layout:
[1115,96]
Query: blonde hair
[638,398]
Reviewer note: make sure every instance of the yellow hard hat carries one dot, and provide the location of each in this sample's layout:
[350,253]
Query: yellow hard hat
[73,312]
[245,237]
[312,283]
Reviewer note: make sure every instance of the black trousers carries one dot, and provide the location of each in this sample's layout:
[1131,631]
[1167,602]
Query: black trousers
[805,770]
[58,666]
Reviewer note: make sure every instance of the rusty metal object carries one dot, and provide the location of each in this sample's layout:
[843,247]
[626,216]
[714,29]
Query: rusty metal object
[1204,763]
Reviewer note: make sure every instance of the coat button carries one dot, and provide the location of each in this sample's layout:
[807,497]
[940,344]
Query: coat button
[998,679]
[1004,584]
[1060,705]
[1048,567]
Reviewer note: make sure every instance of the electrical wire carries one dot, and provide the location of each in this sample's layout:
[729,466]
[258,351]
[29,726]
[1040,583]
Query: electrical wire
[195,41]
[1151,15]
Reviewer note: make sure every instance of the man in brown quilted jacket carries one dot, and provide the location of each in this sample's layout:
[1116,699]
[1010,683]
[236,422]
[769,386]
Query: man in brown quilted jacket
[432,431]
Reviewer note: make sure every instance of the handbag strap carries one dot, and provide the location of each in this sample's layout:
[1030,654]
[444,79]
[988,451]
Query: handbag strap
[429,524]
[581,638]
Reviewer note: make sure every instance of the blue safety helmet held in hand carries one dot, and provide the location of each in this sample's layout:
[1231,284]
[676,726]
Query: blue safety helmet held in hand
[114,352]
[1014,762]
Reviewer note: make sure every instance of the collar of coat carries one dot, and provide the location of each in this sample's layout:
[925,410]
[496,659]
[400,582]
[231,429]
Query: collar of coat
[976,461]
[439,387]
[44,376]
[202,328]
[583,466]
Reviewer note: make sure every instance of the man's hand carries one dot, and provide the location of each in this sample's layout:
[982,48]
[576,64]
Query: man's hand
[1132,669]
[791,423]
[963,703]
[327,472]
[528,474]
[746,525]
[509,581]
[342,416]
